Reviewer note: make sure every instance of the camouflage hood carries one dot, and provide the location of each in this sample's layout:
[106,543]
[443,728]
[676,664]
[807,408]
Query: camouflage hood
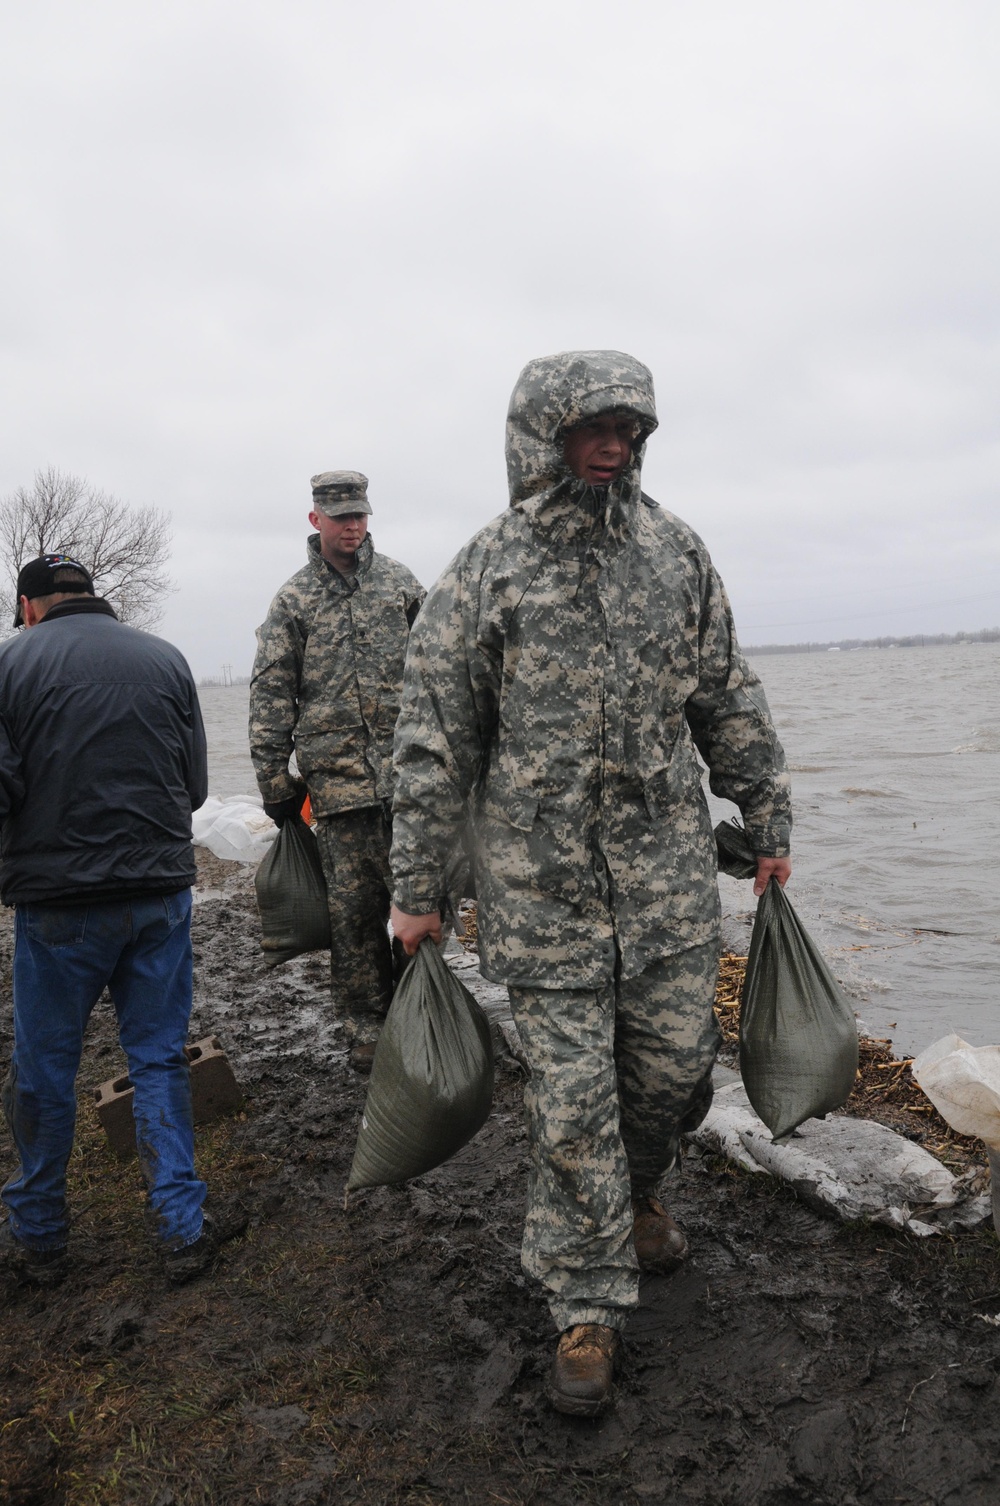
[554,393]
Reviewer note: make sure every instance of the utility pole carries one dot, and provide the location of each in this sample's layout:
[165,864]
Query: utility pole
[227,674]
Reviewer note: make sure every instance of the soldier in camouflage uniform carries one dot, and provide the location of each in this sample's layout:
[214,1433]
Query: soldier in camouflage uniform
[565,671]
[326,683]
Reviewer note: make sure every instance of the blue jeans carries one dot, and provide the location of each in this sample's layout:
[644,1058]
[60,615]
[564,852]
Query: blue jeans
[64,958]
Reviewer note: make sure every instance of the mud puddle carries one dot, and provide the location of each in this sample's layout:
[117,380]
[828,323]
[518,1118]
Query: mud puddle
[393,1352]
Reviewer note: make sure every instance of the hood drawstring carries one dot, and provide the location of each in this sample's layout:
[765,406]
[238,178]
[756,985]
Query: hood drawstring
[598,501]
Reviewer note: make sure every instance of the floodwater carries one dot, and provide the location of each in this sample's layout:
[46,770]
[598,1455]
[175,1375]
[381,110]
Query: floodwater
[895,759]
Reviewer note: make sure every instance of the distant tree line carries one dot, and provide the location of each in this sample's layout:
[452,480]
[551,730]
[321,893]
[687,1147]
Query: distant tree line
[912,640]
[225,680]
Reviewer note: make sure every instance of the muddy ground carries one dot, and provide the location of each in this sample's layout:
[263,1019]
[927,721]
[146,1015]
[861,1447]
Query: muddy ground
[392,1352]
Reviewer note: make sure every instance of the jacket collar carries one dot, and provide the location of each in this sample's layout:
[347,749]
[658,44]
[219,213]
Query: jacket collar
[92,605]
[331,577]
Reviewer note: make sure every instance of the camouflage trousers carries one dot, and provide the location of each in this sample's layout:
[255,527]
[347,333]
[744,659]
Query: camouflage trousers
[364,964]
[617,1076]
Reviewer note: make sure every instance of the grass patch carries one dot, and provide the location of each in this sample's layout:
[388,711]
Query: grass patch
[119,1389]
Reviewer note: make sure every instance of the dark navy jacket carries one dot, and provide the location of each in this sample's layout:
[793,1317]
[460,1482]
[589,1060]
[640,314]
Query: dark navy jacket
[102,760]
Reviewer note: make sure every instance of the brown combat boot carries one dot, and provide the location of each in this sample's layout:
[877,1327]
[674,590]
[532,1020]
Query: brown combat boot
[361,1056]
[660,1245]
[583,1370]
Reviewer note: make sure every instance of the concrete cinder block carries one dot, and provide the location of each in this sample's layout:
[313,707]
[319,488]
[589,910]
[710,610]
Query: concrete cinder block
[214,1090]
[114,1110]
[214,1093]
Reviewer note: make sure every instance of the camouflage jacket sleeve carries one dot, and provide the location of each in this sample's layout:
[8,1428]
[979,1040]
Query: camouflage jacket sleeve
[274,691]
[448,711]
[731,725]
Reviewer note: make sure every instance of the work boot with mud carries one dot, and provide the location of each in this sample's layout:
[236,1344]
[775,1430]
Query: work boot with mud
[361,1056]
[223,1223]
[39,1267]
[660,1245]
[583,1370]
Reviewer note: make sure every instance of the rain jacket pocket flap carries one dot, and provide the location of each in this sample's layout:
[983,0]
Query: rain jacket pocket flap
[662,790]
[517,807]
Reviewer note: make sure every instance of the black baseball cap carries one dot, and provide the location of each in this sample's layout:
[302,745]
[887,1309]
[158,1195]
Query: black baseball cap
[49,574]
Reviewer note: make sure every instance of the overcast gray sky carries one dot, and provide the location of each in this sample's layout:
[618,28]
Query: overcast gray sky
[246,242]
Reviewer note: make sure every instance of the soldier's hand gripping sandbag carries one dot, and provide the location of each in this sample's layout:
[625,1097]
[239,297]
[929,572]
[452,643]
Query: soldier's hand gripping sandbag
[432,1078]
[798,1034]
[291,895]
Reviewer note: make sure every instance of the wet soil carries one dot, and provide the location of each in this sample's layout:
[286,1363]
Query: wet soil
[391,1351]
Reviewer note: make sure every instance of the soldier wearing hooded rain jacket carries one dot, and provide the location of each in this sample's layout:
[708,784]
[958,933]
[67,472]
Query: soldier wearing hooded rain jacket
[566,670]
[326,684]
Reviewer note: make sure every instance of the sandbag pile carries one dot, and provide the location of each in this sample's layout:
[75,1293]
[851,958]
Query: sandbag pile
[846,1168]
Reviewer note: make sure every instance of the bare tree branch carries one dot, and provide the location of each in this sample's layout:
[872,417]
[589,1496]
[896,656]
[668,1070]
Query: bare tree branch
[125,548]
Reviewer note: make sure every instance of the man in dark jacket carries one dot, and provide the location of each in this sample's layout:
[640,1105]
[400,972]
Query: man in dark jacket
[102,758]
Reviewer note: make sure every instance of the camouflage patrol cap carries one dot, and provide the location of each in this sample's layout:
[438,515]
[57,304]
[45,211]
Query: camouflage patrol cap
[337,492]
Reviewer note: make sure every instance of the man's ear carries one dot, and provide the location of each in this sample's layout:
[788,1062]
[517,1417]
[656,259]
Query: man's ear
[29,615]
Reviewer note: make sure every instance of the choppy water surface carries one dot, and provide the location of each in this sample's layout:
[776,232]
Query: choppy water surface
[895,758]
[225,710]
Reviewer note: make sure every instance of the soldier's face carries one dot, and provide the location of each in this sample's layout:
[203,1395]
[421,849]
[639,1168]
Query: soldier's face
[599,450]
[340,538]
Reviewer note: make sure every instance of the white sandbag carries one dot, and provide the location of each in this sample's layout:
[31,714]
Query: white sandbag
[727,1119]
[963,1084]
[235,829]
[854,1168]
[847,1168]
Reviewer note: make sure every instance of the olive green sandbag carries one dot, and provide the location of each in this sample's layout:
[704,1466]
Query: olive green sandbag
[798,1034]
[291,895]
[432,1078]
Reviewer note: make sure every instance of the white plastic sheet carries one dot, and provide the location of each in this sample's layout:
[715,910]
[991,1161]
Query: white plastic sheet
[236,829]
